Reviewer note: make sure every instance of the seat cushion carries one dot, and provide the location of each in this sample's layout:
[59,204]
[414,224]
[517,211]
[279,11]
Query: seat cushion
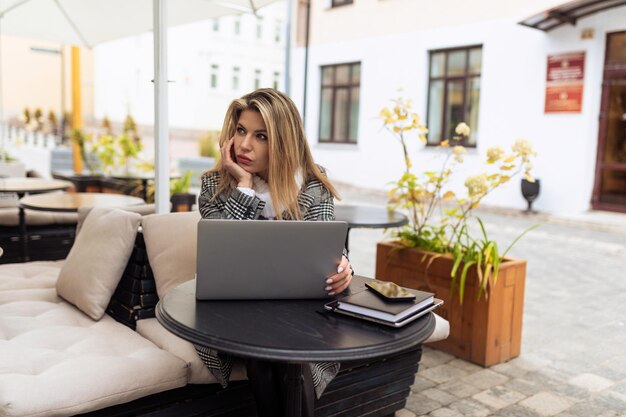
[97,259]
[152,330]
[56,361]
[442,330]
[171,242]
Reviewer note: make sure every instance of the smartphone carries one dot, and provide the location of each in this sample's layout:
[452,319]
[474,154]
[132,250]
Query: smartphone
[390,291]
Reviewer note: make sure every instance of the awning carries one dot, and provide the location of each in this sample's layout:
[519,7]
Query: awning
[569,13]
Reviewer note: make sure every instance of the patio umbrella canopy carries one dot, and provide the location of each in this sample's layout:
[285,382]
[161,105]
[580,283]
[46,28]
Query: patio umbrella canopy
[90,22]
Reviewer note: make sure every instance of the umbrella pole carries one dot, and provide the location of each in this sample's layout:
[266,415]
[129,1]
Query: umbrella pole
[161,153]
[3,151]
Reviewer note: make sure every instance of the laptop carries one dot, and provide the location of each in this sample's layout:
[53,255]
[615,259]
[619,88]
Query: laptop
[267,259]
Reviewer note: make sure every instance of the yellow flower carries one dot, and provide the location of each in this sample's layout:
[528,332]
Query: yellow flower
[523,148]
[477,186]
[462,129]
[458,152]
[494,154]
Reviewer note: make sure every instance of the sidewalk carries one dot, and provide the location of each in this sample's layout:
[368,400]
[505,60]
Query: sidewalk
[573,360]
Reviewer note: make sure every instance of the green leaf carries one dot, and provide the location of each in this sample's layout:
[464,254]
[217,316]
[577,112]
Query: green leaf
[466,268]
[534,226]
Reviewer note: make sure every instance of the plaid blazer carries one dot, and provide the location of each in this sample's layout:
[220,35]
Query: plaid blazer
[315,201]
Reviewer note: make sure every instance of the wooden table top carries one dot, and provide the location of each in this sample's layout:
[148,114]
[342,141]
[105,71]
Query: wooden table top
[32,185]
[70,202]
[284,330]
[369,216]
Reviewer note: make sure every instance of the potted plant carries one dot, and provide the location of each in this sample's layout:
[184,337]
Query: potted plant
[482,289]
[180,197]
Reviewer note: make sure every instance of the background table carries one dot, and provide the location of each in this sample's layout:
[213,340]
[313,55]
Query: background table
[22,186]
[291,331]
[369,217]
[143,177]
[68,203]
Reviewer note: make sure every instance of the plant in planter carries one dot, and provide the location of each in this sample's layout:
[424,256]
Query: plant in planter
[180,197]
[208,144]
[86,153]
[437,251]
[129,149]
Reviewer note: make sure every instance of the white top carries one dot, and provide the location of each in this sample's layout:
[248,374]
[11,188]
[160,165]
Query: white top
[261,189]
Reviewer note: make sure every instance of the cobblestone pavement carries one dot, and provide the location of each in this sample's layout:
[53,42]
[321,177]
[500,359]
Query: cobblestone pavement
[573,360]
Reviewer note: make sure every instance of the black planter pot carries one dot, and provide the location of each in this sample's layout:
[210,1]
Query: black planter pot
[183,201]
[530,192]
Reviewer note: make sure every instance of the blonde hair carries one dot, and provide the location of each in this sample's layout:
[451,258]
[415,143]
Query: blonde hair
[289,153]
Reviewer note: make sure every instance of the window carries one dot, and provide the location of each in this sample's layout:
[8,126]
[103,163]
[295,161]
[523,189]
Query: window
[236,71]
[259,27]
[278,31]
[276,80]
[257,79]
[453,93]
[237,26]
[214,70]
[339,103]
[336,3]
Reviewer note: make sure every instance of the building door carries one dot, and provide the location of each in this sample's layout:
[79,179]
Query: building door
[609,191]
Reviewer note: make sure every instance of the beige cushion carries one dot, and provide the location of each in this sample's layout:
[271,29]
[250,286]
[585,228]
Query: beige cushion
[171,240]
[143,209]
[442,330]
[152,330]
[95,264]
[56,361]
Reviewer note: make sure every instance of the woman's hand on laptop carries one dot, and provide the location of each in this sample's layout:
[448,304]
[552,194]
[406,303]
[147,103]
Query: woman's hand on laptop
[341,280]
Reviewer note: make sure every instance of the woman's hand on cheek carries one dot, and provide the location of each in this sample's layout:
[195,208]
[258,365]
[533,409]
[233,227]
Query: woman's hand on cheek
[341,280]
[244,178]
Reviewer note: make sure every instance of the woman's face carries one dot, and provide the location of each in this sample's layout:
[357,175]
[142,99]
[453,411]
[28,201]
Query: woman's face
[251,148]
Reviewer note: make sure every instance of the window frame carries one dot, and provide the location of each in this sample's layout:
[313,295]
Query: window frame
[213,76]
[335,87]
[466,77]
[257,78]
[276,80]
[236,79]
[339,3]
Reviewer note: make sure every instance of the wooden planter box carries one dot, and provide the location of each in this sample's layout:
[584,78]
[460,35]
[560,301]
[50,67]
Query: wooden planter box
[486,331]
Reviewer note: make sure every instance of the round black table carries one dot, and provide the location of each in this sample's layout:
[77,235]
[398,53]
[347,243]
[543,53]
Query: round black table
[369,217]
[291,331]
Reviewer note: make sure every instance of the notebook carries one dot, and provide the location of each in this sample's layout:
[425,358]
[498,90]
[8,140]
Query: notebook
[267,259]
[369,303]
[366,305]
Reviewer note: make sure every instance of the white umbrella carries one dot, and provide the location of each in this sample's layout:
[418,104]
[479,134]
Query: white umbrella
[89,22]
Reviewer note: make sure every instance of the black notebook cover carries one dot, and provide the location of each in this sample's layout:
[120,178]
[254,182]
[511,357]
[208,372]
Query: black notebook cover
[366,302]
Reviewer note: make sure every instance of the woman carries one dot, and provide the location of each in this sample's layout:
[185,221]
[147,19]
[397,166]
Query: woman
[266,171]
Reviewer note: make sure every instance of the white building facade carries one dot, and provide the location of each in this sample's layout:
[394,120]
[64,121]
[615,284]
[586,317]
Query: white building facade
[377,47]
[210,63]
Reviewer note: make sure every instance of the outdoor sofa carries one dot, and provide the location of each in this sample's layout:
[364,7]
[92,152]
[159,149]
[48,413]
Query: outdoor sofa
[79,335]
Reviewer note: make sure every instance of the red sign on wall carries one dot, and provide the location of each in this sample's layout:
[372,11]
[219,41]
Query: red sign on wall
[564,83]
